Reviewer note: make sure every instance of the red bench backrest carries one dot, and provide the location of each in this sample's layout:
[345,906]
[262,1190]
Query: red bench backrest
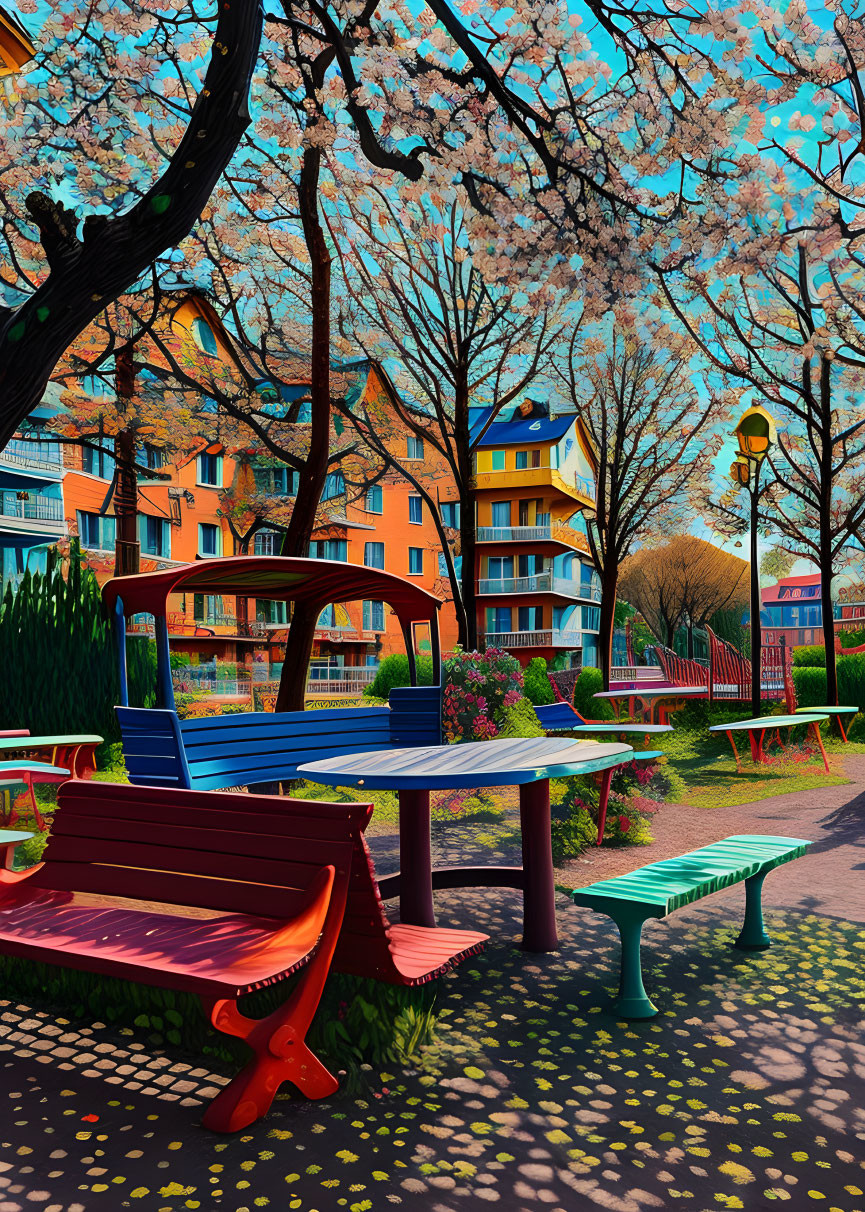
[214,850]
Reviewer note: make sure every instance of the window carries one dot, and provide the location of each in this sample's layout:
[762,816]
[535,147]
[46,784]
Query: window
[498,619]
[414,448]
[498,460]
[373,555]
[415,509]
[500,567]
[206,608]
[326,618]
[210,470]
[443,568]
[373,616]
[95,531]
[334,486]
[530,565]
[523,507]
[530,618]
[208,539]
[591,618]
[155,536]
[270,612]
[415,561]
[450,513]
[501,513]
[373,499]
[275,481]
[267,542]
[202,335]
[152,456]
[329,549]
[97,462]
[528,458]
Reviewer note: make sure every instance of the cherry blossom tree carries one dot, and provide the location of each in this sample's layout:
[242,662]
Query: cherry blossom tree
[651,422]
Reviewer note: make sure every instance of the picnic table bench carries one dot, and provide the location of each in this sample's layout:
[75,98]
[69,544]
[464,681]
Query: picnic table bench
[293,890]
[28,773]
[838,712]
[562,717]
[760,725]
[77,751]
[659,889]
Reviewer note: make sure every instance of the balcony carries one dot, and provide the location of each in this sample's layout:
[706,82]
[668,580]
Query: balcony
[580,488]
[34,456]
[32,514]
[551,532]
[544,582]
[550,638]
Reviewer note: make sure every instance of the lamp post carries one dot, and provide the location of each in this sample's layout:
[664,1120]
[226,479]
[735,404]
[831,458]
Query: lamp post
[755,433]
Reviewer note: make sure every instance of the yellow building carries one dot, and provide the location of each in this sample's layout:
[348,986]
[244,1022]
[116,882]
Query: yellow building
[538,594]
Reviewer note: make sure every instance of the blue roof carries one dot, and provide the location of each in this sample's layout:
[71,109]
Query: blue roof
[508,433]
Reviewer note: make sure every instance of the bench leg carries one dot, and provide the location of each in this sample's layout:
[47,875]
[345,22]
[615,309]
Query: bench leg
[632,1001]
[753,936]
[603,800]
[281,1055]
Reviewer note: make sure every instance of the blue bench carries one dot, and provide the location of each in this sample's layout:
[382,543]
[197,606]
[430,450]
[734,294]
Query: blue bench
[211,753]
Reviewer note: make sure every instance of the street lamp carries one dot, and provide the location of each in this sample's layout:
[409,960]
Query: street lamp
[755,434]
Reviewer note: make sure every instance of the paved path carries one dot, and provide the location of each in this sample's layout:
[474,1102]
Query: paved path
[747,1091]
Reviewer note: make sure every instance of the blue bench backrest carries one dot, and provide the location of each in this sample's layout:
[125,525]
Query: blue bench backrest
[212,752]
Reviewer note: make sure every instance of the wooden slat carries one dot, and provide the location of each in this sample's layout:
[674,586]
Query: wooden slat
[228,842]
[233,752]
[173,889]
[251,724]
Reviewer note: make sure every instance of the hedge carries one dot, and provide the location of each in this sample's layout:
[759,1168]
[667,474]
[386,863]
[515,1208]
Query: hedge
[810,683]
[809,656]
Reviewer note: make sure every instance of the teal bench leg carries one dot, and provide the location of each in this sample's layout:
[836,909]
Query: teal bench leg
[753,936]
[632,1000]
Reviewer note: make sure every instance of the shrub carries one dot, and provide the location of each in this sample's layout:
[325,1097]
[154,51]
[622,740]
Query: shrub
[393,671]
[536,684]
[59,657]
[810,685]
[479,688]
[574,820]
[520,721]
[852,639]
[851,680]
[588,684]
[809,656]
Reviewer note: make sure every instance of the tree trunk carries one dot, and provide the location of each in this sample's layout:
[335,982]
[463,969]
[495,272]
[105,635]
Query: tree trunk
[468,518]
[690,638]
[826,574]
[127,549]
[301,633]
[609,584]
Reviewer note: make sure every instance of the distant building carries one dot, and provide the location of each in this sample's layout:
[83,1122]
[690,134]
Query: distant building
[791,609]
[538,594]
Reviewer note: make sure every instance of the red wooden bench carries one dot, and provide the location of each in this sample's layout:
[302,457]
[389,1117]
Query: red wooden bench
[280,874]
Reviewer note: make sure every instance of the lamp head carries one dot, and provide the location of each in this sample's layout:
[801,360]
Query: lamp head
[756,432]
[740,472]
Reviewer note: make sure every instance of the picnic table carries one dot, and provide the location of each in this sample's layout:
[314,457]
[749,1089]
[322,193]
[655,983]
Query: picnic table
[526,763]
[28,773]
[562,717]
[9,839]
[839,712]
[75,751]
[757,729]
[656,703]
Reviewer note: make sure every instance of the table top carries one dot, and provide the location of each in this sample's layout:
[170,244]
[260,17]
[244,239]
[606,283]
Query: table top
[31,767]
[655,692]
[11,837]
[612,726]
[769,721]
[36,742]
[828,710]
[474,764]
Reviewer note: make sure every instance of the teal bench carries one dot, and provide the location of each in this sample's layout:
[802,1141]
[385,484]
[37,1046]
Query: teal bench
[661,888]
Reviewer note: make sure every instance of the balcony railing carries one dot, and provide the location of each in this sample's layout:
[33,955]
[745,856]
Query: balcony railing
[550,638]
[532,534]
[512,475]
[542,582]
[46,456]
[33,507]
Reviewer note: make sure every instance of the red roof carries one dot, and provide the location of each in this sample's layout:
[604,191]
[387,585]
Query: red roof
[277,578]
[773,592]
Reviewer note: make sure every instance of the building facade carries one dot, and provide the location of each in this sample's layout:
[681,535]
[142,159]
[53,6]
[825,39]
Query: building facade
[538,593]
[791,609]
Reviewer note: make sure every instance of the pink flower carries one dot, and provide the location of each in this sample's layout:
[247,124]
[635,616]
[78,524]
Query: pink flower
[624,824]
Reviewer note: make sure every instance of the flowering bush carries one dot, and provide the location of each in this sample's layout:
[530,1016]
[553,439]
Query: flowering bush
[635,790]
[480,689]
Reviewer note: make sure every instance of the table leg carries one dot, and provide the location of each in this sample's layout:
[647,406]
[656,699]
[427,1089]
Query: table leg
[539,889]
[815,725]
[603,799]
[415,897]
[841,726]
